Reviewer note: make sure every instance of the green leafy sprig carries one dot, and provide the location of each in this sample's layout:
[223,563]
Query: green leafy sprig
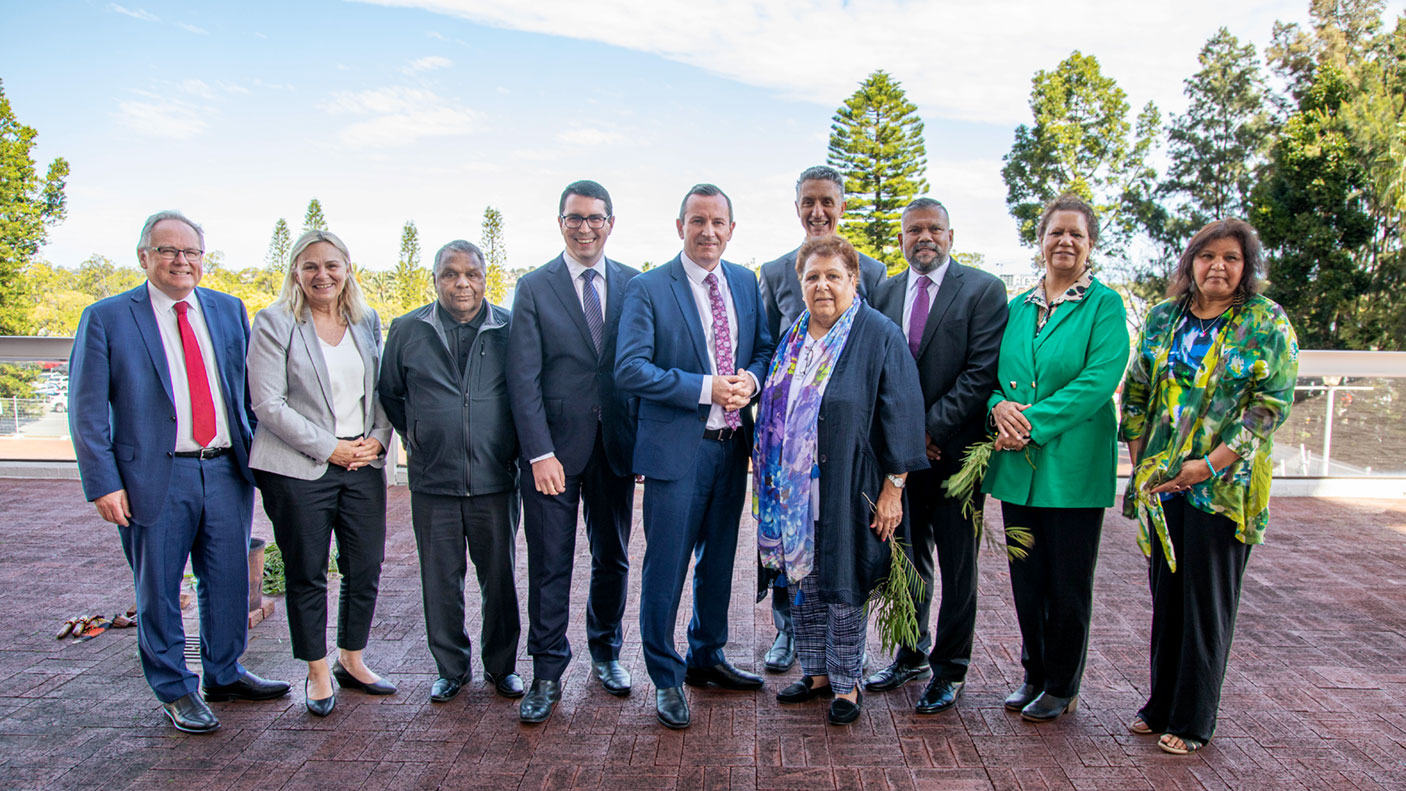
[962,485]
[894,603]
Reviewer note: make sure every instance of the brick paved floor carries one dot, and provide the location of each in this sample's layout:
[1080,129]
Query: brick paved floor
[1313,698]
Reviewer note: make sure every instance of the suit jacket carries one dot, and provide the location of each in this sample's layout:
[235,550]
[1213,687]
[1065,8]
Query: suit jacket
[661,358]
[292,393]
[121,414]
[561,390]
[958,353]
[781,289]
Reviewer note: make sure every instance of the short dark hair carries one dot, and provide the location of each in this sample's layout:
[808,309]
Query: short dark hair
[586,189]
[821,173]
[459,246]
[706,191]
[1183,282]
[1068,202]
[918,204]
[828,246]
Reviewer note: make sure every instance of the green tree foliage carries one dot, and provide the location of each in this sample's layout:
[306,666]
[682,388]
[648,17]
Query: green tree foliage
[1340,34]
[495,253]
[29,206]
[1082,141]
[410,284]
[280,244]
[876,141]
[314,219]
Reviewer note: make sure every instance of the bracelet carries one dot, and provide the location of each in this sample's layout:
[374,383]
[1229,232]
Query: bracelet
[1215,473]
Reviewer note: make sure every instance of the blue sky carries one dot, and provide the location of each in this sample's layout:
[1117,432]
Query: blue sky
[430,110]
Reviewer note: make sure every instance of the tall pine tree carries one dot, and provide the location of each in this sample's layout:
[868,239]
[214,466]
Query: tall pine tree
[280,244]
[314,220]
[411,284]
[495,251]
[876,141]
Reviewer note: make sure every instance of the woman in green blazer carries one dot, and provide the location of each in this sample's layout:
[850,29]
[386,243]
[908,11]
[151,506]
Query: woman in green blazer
[1062,357]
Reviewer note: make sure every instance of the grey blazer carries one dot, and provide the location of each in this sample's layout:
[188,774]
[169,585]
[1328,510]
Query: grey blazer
[292,394]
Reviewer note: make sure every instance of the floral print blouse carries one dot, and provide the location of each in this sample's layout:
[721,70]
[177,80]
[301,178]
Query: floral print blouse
[1046,307]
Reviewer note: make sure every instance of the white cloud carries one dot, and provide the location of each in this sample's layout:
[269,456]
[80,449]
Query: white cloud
[171,120]
[135,13]
[402,116]
[189,28]
[231,87]
[428,63]
[197,88]
[590,137]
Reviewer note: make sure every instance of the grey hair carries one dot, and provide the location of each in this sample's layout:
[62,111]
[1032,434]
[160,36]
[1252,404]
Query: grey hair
[350,302]
[920,204]
[820,173]
[145,241]
[704,191]
[459,246]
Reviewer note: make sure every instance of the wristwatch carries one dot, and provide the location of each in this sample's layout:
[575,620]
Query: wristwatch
[896,481]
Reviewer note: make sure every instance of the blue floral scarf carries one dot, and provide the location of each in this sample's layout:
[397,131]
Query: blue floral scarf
[783,459]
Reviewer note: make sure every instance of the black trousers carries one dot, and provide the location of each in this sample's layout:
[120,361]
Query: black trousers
[1053,588]
[937,527]
[305,515]
[485,526]
[549,522]
[1193,619]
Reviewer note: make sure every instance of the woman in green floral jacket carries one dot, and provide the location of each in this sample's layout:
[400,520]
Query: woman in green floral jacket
[1212,378]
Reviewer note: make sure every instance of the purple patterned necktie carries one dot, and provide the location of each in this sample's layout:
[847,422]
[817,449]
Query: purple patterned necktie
[918,318]
[722,342]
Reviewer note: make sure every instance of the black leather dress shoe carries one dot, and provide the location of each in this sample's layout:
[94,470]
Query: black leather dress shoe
[723,675]
[509,684]
[348,681]
[538,704]
[842,712]
[190,714]
[1048,708]
[247,687]
[782,654]
[444,689]
[1021,697]
[896,675]
[803,690]
[320,707]
[672,707]
[940,695]
[613,676]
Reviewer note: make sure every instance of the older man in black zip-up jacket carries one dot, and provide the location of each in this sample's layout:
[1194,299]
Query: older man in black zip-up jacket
[443,385]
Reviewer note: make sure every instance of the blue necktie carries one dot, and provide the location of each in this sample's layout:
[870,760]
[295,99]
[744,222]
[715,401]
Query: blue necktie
[590,300]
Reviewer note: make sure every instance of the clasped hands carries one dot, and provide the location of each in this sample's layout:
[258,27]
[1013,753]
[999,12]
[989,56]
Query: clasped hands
[1012,428]
[732,391]
[353,454]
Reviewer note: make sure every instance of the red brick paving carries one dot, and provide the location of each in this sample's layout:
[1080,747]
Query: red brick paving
[1313,698]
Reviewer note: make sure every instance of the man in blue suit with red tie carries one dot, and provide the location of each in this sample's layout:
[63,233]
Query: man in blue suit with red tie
[694,349]
[160,419]
[577,438]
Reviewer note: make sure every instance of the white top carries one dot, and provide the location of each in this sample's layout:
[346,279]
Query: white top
[165,310]
[936,277]
[704,301]
[347,372]
[598,282]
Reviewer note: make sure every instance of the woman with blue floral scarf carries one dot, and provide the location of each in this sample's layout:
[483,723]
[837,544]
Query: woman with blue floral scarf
[1211,380]
[839,427]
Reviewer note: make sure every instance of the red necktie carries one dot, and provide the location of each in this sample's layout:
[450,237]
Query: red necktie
[202,405]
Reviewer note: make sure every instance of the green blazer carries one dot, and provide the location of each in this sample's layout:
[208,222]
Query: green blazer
[1068,375]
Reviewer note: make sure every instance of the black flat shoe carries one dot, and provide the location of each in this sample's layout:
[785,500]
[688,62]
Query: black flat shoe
[247,687]
[538,704]
[1048,708]
[347,681]
[672,708]
[940,696]
[803,690]
[843,712]
[782,654]
[723,675]
[509,685]
[320,707]
[190,714]
[612,676]
[896,675]
[443,690]
[1021,697]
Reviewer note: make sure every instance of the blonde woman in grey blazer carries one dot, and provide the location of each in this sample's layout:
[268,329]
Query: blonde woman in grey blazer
[319,454]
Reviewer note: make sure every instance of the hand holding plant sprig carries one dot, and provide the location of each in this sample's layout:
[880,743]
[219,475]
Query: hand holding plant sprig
[963,485]
[894,602]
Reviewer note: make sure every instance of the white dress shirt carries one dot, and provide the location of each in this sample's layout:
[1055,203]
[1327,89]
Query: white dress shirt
[165,310]
[911,294]
[703,299]
[598,282]
[347,373]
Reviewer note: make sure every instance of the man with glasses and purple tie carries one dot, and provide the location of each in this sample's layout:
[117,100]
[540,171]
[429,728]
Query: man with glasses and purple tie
[577,436]
[953,317]
[693,348]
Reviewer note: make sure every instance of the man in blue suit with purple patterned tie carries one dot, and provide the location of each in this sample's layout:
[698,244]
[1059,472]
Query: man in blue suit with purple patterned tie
[694,349]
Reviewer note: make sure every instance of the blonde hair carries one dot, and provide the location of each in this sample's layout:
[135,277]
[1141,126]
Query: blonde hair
[350,303]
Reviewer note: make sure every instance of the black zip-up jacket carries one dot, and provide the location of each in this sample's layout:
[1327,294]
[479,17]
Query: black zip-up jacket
[459,429]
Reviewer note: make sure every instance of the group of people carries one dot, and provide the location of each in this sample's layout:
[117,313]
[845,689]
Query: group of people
[851,396]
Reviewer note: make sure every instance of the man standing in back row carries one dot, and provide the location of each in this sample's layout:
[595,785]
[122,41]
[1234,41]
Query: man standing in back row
[577,439]
[820,203]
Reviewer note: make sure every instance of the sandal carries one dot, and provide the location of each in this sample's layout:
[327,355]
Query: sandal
[1188,747]
[123,622]
[1140,727]
[91,627]
[68,627]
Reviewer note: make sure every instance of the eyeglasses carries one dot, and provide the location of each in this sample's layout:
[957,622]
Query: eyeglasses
[169,254]
[574,221]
